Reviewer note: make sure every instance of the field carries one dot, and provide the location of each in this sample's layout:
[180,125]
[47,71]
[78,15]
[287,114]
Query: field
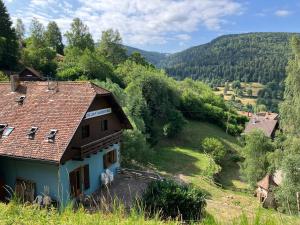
[255,87]
[182,158]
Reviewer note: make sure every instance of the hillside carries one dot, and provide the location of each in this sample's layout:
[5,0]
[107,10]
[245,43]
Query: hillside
[251,57]
[153,57]
[255,57]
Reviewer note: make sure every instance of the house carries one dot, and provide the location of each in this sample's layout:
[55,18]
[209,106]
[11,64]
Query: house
[265,188]
[58,138]
[30,74]
[265,121]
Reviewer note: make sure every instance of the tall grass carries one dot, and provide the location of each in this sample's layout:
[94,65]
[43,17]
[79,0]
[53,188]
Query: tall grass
[15,213]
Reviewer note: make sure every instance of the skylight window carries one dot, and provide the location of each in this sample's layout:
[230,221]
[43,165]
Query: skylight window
[7,131]
[32,132]
[20,99]
[51,135]
[2,127]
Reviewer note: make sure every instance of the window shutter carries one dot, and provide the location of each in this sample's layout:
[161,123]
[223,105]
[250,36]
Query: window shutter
[86,177]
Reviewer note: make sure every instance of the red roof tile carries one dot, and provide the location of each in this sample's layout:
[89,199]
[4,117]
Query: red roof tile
[46,109]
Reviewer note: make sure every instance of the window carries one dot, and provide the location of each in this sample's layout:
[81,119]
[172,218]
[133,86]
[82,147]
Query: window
[32,132]
[85,131]
[7,131]
[104,125]
[109,159]
[2,127]
[51,135]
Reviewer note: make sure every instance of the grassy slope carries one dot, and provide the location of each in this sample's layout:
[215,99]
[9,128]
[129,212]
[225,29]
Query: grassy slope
[182,158]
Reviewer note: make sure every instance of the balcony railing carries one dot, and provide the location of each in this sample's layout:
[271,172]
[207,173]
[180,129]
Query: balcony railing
[94,146]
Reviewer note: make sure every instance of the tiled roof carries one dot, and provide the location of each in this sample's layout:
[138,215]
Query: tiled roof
[267,182]
[263,121]
[46,109]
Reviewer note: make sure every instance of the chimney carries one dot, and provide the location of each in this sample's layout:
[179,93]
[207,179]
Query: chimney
[15,82]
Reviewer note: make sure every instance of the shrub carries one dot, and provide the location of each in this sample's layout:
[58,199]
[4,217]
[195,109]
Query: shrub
[215,148]
[173,200]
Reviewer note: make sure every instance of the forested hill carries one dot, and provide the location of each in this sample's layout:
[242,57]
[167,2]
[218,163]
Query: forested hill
[260,57]
[153,57]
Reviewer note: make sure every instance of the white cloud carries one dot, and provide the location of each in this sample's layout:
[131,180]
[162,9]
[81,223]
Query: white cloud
[139,21]
[282,13]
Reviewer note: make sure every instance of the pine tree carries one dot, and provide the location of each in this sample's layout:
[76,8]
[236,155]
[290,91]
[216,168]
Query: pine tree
[54,38]
[111,47]
[79,36]
[8,40]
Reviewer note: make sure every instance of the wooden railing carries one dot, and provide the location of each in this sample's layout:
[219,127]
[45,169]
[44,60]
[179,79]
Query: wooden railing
[94,146]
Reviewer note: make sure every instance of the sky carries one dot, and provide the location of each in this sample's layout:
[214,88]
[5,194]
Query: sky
[164,25]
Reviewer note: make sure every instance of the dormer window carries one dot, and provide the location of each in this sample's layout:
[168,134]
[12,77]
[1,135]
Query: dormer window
[51,135]
[32,132]
[20,99]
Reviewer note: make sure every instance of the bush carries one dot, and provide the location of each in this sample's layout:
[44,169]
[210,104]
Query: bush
[173,200]
[215,148]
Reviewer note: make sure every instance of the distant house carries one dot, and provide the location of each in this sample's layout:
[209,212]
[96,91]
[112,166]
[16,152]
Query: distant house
[265,121]
[30,74]
[265,188]
[58,137]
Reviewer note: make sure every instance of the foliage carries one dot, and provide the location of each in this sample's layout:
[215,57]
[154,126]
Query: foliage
[172,200]
[79,36]
[139,59]
[53,38]
[3,77]
[111,47]
[255,165]
[290,108]
[215,148]
[290,164]
[252,57]
[37,34]
[8,40]
[20,30]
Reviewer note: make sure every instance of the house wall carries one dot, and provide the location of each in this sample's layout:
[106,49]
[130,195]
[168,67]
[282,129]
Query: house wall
[42,174]
[95,162]
[114,125]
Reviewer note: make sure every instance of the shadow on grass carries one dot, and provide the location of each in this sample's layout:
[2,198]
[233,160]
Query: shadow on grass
[172,161]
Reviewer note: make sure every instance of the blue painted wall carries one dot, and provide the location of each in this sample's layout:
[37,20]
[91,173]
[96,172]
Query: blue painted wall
[54,176]
[41,173]
[95,163]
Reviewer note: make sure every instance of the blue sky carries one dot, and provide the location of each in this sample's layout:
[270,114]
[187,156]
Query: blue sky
[164,25]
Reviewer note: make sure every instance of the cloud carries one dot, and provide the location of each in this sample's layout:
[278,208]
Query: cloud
[139,22]
[282,13]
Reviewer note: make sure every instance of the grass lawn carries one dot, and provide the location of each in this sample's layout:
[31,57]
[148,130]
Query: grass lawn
[182,158]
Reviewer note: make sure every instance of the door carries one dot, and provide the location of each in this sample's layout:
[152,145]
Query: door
[75,182]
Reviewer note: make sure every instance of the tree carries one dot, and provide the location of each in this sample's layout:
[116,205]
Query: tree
[255,152]
[20,31]
[111,47]
[139,59]
[215,148]
[290,121]
[290,108]
[236,84]
[53,38]
[249,92]
[8,40]
[79,36]
[37,34]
